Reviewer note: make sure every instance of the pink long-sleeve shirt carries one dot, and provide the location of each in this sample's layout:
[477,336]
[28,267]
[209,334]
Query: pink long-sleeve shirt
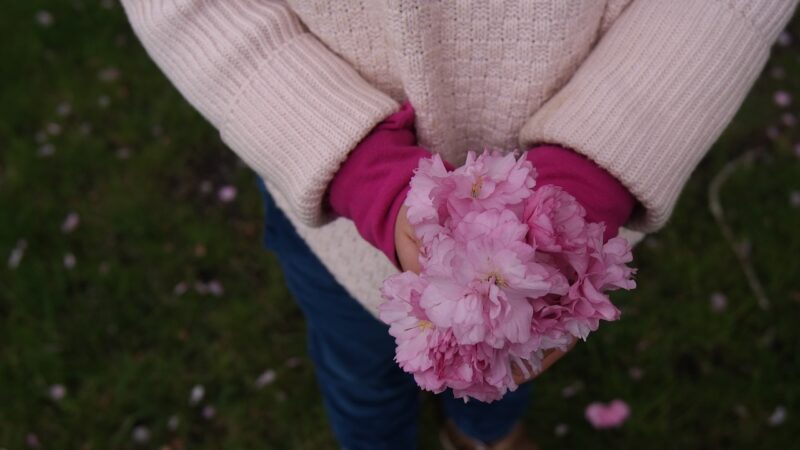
[372,184]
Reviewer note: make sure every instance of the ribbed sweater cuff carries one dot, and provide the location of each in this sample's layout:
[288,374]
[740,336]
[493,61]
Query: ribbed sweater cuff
[654,94]
[297,118]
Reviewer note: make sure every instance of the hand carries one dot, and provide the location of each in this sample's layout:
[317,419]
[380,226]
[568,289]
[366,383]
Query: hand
[550,358]
[382,165]
[406,243]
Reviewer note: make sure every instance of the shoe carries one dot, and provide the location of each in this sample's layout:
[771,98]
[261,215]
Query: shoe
[453,439]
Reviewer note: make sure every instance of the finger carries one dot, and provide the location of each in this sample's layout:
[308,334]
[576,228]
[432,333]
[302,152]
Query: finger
[527,374]
[408,254]
[550,358]
[519,374]
[553,356]
[406,244]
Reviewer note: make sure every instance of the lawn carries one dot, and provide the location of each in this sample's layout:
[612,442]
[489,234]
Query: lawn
[139,310]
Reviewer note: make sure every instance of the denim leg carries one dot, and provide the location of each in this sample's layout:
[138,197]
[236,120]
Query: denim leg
[371,403]
[487,422]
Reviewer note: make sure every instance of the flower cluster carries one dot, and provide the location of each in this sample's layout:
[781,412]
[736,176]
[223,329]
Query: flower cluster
[509,271]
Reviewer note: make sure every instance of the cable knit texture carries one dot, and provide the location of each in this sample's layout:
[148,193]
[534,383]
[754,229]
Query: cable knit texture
[641,87]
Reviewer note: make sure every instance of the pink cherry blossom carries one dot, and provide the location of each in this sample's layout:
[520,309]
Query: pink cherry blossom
[425,199]
[611,415]
[433,353]
[482,291]
[490,181]
[556,220]
[508,272]
[408,323]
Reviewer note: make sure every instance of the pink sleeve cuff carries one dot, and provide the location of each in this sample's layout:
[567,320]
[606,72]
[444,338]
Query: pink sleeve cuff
[371,185]
[603,196]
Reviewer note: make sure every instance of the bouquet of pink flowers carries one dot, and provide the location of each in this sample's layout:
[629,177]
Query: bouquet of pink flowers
[509,271]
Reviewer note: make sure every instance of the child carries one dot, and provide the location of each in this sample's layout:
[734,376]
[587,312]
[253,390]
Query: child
[619,100]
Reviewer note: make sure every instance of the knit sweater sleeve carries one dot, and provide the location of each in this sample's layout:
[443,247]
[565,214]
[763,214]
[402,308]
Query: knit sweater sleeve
[658,89]
[286,104]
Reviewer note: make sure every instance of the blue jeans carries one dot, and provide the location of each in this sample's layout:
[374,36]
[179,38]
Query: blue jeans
[371,403]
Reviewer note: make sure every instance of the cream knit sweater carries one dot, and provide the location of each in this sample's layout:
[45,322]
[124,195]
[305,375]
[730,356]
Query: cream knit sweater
[642,87]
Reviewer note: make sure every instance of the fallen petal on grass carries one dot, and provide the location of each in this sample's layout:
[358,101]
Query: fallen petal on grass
[53,129]
[266,378]
[108,74]
[784,39]
[789,119]
[32,441]
[140,434]
[180,288]
[17,254]
[611,415]
[44,18]
[46,150]
[572,389]
[69,261]
[227,194]
[71,222]
[57,392]
[782,98]
[773,133]
[293,362]
[206,187]
[173,422]
[197,394]
[778,417]
[64,109]
[719,302]
[215,288]
[794,199]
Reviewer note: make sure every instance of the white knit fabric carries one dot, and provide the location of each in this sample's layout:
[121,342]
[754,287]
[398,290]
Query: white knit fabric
[642,87]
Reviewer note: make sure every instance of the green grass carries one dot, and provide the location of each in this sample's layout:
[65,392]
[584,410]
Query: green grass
[129,350]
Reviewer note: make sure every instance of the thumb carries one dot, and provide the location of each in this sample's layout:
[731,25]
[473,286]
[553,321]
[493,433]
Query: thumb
[406,243]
